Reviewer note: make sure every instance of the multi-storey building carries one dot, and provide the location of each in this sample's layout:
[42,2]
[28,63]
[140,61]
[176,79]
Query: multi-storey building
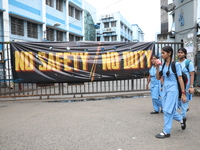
[38,20]
[43,20]
[138,34]
[114,27]
[179,20]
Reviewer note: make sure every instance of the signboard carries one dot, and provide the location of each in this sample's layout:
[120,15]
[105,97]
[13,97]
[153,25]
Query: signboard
[72,62]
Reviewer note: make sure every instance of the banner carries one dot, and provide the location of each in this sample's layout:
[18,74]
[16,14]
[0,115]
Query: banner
[72,62]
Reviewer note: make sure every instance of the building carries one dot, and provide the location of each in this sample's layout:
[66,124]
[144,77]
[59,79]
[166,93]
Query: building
[180,22]
[41,20]
[114,27]
[138,34]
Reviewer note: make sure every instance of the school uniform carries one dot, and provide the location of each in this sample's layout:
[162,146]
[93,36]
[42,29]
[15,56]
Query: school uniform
[155,90]
[184,106]
[170,97]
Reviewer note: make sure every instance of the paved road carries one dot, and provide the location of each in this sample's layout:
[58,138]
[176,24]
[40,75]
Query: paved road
[115,124]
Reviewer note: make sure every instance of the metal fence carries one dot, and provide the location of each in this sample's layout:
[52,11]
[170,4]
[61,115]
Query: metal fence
[10,89]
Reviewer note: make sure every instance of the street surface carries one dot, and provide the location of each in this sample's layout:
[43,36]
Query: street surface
[112,124]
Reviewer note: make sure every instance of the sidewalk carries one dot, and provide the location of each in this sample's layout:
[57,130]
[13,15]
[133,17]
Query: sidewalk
[112,124]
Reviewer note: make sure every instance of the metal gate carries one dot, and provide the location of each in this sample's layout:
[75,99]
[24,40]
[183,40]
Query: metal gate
[10,89]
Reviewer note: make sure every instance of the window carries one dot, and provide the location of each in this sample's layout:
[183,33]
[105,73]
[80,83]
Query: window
[71,37]
[121,25]
[17,26]
[98,38]
[113,24]
[59,36]
[71,11]
[106,25]
[78,38]
[32,30]
[122,39]
[114,38]
[49,2]
[50,34]
[59,5]
[77,14]
[106,38]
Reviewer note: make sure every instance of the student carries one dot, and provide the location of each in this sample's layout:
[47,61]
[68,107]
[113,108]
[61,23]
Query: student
[170,92]
[154,87]
[189,71]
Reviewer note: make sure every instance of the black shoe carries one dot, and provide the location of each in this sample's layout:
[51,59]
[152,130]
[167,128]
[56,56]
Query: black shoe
[183,125]
[154,112]
[162,135]
[161,111]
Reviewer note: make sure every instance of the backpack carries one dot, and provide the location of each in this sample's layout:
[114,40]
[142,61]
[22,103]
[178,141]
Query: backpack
[187,63]
[184,77]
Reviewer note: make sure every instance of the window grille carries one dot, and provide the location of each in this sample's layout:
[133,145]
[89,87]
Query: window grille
[49,3]
[50,34]
[114,38]
[106,25]
[71,37]
[32,30]
[78,38]
[71,11]
[113,24]
[59,5]
[17,26]
[59,36]
[77,14]
[106,38]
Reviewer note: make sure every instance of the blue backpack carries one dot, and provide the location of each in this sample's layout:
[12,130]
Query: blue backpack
[187,63]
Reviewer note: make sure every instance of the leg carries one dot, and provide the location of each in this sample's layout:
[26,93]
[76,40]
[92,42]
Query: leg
[168,118]
[155,107]
[184,107]
[181,119]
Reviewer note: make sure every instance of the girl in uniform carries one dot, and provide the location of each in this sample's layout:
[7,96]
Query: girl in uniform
[189,71]
[154,88]
[170,92]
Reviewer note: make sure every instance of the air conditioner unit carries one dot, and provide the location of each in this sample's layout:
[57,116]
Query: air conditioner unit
[108,30]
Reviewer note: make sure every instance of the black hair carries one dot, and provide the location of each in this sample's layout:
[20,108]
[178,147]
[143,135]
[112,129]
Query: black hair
[183,50]
[168,49]
[155,56]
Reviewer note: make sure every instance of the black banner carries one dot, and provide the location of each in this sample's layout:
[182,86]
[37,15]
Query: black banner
[72,62]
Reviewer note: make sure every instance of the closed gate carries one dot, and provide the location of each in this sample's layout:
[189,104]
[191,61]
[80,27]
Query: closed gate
[10,89]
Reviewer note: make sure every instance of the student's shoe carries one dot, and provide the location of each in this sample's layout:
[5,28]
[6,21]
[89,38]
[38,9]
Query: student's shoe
[161,111]
[162,135]
[183,125]
[154,112]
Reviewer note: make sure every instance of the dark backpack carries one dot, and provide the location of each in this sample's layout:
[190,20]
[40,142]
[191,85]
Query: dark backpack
[187,63]
[184,77]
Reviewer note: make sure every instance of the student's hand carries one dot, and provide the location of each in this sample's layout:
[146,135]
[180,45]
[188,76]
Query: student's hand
[183,97]
[191,90]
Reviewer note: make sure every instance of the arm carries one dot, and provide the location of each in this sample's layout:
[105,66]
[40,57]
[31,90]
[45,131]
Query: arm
[148,81]
[191,71]
[183,97]
[191,89]
[158,76]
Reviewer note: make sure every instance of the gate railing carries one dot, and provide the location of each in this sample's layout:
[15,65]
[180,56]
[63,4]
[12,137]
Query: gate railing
[10,89]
